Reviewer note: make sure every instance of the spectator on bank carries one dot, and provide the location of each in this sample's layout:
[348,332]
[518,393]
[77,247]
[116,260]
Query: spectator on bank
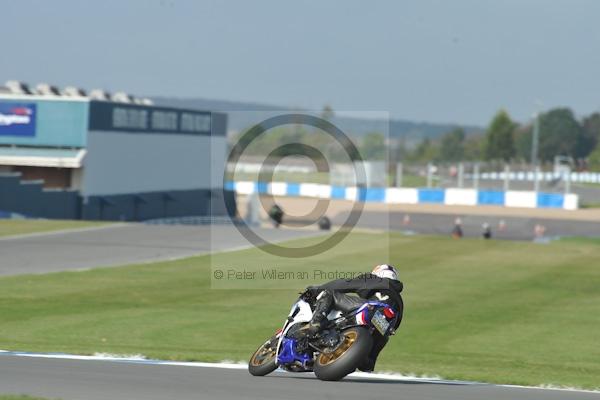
[486,231]
[539,231]
[457,232]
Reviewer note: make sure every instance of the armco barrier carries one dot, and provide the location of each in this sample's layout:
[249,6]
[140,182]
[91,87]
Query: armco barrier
[451,196]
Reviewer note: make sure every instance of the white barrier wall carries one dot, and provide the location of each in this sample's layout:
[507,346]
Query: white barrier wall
[461,197]
[571,202]
[351,193]
[315,190]
[401,196]
[278,188]
[451,196]
[521,199]
[244,187]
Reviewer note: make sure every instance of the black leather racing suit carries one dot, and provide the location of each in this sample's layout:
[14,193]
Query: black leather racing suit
[334,295]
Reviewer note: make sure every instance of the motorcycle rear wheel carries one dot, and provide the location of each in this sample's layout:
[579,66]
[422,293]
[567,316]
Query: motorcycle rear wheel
[263,360]
[346,356]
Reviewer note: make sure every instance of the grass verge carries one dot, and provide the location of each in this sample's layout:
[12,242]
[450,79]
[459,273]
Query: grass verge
[19,397]
[493,311]
[408,180]
[11,227]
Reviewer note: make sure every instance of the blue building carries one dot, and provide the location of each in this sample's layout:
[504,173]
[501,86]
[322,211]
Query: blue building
[76,157]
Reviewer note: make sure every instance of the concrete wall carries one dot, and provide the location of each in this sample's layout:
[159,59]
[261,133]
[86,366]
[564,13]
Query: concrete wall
[31,199]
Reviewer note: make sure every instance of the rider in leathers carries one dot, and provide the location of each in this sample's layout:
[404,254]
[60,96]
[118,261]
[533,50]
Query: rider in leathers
[381,285]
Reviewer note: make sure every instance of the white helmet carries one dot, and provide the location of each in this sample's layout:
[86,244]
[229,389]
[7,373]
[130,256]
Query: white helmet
[385,271]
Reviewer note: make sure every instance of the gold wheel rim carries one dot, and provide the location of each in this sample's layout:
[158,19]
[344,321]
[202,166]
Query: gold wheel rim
[263,355]
[349,339]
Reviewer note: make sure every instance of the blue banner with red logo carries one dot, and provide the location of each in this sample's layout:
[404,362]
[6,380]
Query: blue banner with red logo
[17,119]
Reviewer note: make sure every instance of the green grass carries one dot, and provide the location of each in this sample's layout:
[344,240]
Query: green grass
[292,177]
[493,311]
[19,397]
[414,181]
[582,240]
[325,178]
[10,227]
[590,205]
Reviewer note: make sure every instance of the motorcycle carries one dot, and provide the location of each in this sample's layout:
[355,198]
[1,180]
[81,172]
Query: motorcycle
[338,349]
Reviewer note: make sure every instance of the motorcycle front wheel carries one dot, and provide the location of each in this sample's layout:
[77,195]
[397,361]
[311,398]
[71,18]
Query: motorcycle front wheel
[346,356]
[263,360]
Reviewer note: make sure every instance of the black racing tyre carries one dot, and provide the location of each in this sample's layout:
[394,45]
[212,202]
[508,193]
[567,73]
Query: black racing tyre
[263,360]
[346,357]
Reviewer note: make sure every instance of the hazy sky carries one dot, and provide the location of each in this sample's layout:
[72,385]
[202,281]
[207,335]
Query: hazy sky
[440,61]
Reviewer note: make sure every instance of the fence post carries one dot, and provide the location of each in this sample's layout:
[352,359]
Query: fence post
[568,181]
[476,176]
[429,173]
[253,208]
[399,174]
[506,177]
[536,179]
[461,175]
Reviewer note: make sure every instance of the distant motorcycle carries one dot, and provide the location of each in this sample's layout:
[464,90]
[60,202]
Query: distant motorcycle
[276,215]
[341,346]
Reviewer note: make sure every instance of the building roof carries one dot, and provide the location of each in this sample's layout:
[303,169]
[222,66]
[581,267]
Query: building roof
[42,157]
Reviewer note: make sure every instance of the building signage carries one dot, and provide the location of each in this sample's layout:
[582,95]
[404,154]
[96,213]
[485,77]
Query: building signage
[17,119]
[136,118]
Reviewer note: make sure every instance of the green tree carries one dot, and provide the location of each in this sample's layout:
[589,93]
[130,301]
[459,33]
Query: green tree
[425,151]
[474,147]
[523,135]
[499,138]
[373,146]
[560,134]
[452,145]
[400,152]
[590,136]
[594,160]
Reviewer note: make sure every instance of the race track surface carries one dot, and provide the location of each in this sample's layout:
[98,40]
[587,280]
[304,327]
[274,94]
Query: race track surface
[122,244]
[515,228]
[109,380]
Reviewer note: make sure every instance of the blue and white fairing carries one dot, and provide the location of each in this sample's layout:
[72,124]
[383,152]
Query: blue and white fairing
[301,313]
[286,354]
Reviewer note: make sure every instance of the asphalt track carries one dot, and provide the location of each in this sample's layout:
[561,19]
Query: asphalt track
[70,379]
[514,228]
[122,244]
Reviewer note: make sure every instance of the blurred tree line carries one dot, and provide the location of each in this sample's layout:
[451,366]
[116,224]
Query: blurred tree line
[560,134]
[280,142]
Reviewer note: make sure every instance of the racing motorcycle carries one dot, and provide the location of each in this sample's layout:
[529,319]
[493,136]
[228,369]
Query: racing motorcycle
[341,346]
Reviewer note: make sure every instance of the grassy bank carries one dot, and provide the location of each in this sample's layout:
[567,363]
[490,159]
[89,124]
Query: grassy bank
[11,227]
[492,311]
[19,397]
[408,180]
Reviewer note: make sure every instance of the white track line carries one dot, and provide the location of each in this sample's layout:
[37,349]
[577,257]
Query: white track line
[139,359]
